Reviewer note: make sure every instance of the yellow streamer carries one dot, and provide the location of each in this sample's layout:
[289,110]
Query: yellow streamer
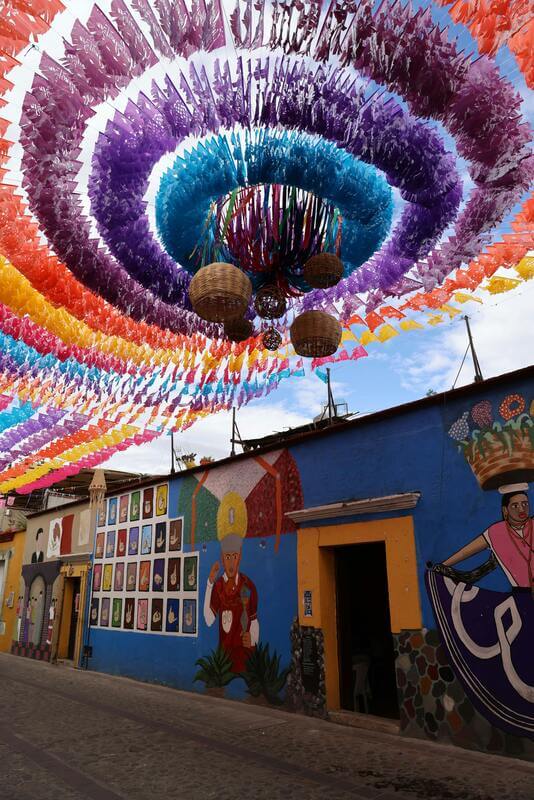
[410,325]
[450,310]
[367,337]
[386,332]
[525,268]
[498,285]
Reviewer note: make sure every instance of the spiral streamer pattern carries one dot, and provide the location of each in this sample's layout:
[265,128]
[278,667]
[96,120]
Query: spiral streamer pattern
[130,125]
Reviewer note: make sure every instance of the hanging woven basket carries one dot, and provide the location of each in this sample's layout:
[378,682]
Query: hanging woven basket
[315,334]
[220,292]
[271,339]
[323,270]
[238,330]
[270,302]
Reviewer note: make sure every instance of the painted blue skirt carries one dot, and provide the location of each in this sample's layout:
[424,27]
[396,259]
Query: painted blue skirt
[489,638]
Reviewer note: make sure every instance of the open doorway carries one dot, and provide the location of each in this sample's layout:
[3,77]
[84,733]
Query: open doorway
[365,644]
[74,617]
[69,618]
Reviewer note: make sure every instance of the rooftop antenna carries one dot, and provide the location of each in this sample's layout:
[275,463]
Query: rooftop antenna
[173,455]
[236,436]
[331,404]
[478,372]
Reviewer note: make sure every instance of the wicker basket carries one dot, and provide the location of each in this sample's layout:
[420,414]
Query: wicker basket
[220,292]
[270,302]
[497,464]
[315,334]
[271,339]
[323,270]
[238,330]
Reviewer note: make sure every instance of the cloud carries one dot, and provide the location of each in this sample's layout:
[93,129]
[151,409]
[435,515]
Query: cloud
[309,394]
[503,341]
[302,399]
[502,334]
[210,436]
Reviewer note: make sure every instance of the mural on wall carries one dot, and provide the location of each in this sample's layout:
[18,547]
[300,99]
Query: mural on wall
[232,597]
[60,536]
[149,576]
[269,485]
[37,555]
[36,610]
[141,582]
[84,528]
[488,635]
[244,500]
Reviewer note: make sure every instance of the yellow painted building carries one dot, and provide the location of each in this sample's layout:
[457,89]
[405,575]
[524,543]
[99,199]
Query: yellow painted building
[11,553]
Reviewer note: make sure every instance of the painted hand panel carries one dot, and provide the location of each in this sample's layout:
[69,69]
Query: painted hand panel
[141,563]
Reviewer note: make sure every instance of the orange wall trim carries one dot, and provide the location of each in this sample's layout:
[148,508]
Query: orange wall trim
[316,573]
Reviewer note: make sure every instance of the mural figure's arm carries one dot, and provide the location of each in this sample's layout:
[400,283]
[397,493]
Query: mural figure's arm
[471,576]
[209,612]
[471,549]
[254,632]
[254,628]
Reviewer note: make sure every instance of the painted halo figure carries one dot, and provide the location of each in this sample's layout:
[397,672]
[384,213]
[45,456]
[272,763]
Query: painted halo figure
[232,596]
[488,634]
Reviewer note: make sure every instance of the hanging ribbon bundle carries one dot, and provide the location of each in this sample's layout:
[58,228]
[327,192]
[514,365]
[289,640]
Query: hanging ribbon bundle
[291,164]
[100,348]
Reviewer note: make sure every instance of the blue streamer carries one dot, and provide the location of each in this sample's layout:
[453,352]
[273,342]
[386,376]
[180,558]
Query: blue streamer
[218,166]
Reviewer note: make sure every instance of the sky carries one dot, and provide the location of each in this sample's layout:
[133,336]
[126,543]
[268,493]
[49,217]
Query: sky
[398,371]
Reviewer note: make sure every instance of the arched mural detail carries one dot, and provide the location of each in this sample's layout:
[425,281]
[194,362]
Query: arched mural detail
[35,610]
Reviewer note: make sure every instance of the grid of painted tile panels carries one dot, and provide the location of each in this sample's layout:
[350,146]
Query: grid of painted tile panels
[142,579]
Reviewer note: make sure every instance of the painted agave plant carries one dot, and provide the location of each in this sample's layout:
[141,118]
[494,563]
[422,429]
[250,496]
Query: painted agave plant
[215,670]
[263,675]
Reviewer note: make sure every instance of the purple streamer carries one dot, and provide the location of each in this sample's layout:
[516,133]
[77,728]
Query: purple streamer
[394,46]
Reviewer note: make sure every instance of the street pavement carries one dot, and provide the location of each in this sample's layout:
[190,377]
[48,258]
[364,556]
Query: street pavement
[72,735]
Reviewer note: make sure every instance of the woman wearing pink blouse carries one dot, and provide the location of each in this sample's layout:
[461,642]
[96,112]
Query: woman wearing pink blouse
[511,540]
[488,635]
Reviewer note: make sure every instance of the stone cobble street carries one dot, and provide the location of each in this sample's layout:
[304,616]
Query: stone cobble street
[69,735]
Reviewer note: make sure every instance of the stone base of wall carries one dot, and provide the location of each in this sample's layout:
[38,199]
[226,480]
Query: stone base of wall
[297,698]
[30,651]
[433,704]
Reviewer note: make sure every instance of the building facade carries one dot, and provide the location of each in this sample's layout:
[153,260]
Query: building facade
[11,552]
[383,566]
[53,579]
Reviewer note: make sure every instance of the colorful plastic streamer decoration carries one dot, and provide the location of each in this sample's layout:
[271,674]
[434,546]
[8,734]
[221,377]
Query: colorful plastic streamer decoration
[134,157]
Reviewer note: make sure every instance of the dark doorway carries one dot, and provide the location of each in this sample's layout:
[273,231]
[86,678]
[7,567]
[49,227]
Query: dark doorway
[366,652]
[74,616]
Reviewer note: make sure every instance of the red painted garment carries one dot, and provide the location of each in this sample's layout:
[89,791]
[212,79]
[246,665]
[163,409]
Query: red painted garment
[232,601]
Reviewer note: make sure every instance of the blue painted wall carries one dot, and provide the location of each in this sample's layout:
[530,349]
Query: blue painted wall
[171,660]
[408,451]
[412,451]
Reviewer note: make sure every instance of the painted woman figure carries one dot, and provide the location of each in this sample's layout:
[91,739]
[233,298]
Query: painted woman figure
[488,635]
[51,617]
[20,612]
[510,541]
